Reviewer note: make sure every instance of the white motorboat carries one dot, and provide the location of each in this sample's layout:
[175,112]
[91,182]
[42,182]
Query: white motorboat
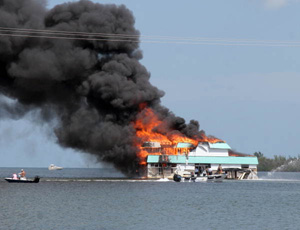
[209,178]
[54,167]
[188,176]
[185,176]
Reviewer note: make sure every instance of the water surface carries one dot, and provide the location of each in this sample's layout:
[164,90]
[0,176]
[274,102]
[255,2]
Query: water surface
[114,202]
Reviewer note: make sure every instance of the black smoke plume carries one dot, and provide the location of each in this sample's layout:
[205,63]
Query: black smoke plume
[93,87]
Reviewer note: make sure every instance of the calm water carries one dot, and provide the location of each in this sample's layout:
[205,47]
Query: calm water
[87,199]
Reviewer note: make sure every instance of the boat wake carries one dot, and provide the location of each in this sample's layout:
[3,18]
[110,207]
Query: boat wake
[103,180]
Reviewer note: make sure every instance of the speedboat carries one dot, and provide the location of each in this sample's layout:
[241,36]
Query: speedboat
[209,178]
[186,174]
[54,167]
[23,180]
[188,177]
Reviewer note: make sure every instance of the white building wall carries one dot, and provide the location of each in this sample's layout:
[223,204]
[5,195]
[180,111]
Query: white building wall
[224,166]
[252,166]
[204,150]
[237,166]
[189,167]
[214,166]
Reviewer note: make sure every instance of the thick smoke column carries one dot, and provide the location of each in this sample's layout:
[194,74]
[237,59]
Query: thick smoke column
[93,87]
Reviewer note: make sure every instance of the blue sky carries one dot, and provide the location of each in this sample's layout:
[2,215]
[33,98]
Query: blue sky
[245,95]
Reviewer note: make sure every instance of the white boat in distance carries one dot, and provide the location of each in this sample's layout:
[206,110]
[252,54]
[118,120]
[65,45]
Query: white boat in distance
[53,167]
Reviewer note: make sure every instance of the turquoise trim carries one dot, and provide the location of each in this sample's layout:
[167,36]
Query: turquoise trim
[219,146]
[181,159]
[152,158]
[184,145]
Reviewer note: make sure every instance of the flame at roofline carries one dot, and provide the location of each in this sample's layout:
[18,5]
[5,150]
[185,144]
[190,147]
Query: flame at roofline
[157,136]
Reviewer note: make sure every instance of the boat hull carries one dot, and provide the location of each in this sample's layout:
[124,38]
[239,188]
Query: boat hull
[11,180]
[209,178]
[54,167]
[216,177]
[58,168]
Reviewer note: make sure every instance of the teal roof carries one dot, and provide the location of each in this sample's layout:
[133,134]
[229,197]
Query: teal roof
[219,145]
[184,145]
[180,159]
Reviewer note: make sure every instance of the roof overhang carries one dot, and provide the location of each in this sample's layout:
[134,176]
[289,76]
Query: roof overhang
[219,145]
[179,159]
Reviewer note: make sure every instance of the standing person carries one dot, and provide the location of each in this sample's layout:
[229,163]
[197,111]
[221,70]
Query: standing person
[209,171]
[197,171]
[220,170]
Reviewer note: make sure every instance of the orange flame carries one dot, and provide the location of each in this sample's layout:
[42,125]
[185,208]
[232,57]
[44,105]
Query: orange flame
[149,128]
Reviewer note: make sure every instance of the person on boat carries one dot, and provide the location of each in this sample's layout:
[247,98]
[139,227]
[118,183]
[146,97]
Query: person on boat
[209,171]
[15,177]
[220,170]
[197,171]
[22,174]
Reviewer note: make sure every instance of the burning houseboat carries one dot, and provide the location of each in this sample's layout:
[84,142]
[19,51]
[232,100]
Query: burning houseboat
[163,149]
[196,159]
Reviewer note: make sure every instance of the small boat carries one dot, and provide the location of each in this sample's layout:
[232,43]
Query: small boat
[54,167]
[216,177]
[23,180]
[201,179]
[209,178]
[183,176]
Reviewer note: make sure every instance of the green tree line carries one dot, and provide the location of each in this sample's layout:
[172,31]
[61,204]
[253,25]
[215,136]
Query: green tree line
[278,163]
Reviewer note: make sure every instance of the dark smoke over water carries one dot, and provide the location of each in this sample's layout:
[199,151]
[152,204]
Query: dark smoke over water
[94,88]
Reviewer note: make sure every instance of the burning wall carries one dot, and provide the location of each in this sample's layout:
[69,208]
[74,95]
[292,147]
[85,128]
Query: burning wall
[151,129]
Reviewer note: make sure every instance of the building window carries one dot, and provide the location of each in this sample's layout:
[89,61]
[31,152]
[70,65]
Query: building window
[245,166]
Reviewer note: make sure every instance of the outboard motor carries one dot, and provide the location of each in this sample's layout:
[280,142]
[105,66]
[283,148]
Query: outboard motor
[36,179]
[177,178]
[193,178]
